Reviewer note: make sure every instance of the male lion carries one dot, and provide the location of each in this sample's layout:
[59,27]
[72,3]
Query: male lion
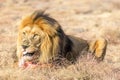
[41,39]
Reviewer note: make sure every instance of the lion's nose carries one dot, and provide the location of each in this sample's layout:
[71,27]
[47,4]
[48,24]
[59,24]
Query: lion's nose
[24,46]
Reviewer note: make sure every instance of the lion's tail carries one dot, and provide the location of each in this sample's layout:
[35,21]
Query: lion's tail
[98,48]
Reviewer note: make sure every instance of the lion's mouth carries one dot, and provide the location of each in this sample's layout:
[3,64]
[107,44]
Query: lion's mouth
[30,54]
[28,59]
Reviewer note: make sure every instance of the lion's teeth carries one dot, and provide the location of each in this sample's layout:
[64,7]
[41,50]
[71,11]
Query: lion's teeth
[24,52]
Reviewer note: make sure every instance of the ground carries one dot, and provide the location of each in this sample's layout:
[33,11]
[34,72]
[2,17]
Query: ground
[88,19]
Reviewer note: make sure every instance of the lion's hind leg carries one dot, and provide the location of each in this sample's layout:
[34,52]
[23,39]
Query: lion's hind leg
[98,48]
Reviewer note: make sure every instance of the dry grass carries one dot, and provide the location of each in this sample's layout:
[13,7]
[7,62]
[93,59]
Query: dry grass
[84,69]
[88,19]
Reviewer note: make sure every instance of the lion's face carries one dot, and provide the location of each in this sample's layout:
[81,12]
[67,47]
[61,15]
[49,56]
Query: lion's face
[30,42]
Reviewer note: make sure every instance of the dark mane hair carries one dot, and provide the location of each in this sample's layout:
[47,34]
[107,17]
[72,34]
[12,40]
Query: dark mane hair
[41,14]
[68,43]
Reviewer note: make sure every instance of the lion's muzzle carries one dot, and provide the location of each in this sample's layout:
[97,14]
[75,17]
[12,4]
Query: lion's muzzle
[28,51]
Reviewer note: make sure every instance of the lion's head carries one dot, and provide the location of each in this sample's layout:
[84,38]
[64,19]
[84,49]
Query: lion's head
[39,38]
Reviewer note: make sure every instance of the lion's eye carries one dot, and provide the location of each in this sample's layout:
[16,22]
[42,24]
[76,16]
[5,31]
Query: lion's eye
[36,36]
[24,33]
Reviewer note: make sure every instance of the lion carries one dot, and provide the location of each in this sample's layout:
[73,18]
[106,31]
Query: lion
[41,38]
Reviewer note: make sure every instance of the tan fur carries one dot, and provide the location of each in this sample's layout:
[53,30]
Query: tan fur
[98,48]
[49,40]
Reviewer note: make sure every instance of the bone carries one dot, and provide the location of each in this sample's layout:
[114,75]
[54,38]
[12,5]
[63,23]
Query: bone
[21,62]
